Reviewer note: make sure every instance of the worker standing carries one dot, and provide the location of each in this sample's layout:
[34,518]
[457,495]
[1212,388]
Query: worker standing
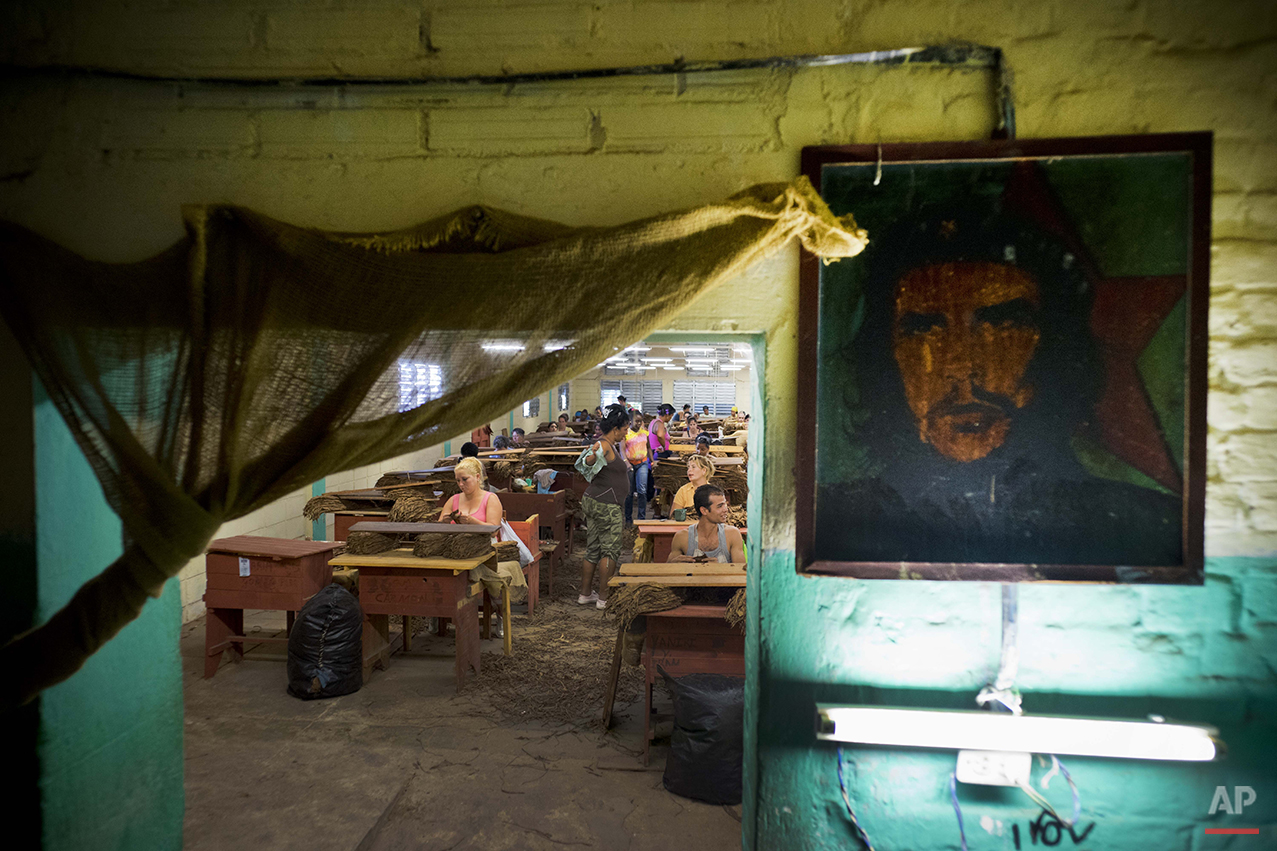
[635,449]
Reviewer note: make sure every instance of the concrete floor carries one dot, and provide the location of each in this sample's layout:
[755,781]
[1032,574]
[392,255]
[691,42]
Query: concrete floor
[406,763]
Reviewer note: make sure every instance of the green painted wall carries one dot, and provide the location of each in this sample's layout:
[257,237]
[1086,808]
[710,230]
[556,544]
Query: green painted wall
[1199,654]
[110,741]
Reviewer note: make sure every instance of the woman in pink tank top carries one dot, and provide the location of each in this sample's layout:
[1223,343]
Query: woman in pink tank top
[473,505]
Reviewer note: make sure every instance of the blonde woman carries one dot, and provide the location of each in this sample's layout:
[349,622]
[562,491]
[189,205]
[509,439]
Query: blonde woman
[474,505]
[700,469]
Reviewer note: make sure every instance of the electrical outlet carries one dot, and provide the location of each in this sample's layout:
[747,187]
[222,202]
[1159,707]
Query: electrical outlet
[994,768]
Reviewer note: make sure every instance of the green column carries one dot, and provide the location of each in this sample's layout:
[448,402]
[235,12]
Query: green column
[319,528]
[110,746]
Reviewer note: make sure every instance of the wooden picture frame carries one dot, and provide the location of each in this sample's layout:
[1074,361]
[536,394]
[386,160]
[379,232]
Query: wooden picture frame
[1010,383]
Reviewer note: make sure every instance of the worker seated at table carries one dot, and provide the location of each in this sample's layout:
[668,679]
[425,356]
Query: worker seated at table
[500,442]
[700,469]
[692,428]
[469,450]
[477,505]
[702,445]
[561,424]
[709,538]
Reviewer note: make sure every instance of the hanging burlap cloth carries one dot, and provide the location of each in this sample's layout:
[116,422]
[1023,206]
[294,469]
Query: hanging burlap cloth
[254,357]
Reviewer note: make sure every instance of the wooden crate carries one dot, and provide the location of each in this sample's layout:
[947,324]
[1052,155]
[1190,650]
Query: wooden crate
[343,520]
[251,572]
[552,508]
[688,640]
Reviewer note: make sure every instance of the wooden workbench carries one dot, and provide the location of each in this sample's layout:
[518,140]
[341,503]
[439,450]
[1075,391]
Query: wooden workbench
[252,572]
[714,449]
[399,583]
[552,513]
[688,640]
[343,520]
[684,640]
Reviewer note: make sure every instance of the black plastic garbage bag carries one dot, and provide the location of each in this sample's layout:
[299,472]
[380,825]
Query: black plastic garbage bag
[325,648]
[708,743]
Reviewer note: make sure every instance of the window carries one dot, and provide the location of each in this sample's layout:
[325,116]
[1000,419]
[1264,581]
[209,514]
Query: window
[644,395]
[608,391]
[418,383]
[532,407]
[719,395]
[563,397]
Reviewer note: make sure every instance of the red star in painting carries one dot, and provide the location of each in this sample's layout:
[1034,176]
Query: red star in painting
[1125,314]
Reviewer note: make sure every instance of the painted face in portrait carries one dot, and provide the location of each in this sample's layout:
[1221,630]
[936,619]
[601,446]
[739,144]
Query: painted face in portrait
[963,336]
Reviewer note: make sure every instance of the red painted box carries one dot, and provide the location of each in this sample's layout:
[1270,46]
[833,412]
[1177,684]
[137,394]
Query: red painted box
[251,572]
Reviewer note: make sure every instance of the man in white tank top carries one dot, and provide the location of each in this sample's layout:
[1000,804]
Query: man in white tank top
[709,537]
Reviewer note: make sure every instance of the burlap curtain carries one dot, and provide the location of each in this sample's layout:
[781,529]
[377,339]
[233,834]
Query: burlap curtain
[254,357]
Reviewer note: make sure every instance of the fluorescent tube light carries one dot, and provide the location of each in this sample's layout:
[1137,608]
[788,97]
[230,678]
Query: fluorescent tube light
[686,349]
[1000,731]
[501,347]
[673,368]
[638,348]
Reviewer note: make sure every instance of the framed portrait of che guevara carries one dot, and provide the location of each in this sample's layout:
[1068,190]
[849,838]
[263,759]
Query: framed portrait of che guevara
[1009,383]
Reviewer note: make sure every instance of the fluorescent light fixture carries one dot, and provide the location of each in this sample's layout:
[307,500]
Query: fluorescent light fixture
[501,347]
[673,368]
[1001,731]
[638,348]
[686,349]
[731,368]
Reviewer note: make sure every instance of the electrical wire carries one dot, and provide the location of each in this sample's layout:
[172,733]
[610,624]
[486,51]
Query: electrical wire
[968,55]
[957,808]
[1057,764]
[846,799]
